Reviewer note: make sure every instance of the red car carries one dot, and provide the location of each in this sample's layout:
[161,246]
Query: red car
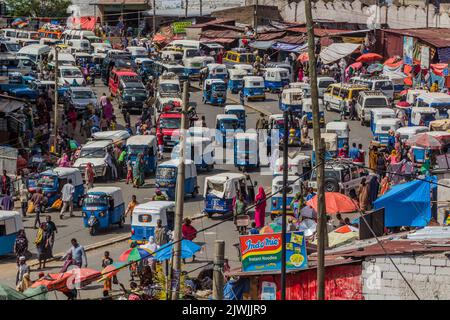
[169,125]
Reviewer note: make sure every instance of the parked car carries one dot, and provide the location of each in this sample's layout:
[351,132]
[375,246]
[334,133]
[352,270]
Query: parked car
[80,98]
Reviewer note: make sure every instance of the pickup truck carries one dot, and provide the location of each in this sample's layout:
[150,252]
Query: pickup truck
[13,81]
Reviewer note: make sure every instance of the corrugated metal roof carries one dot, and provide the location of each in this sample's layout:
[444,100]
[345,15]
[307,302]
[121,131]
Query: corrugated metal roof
[218,40]
[212,22]
[231,34]
[318,32]
[293,39]
[270,36]
[437,37]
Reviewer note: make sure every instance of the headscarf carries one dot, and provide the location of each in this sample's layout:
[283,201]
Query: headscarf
[261,196]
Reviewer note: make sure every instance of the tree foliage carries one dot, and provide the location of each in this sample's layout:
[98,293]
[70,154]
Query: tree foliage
[38,8]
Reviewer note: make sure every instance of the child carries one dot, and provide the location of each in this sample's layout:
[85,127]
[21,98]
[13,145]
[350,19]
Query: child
[253,230]
[113,123]
[104,124]
[107,285]
[129,172]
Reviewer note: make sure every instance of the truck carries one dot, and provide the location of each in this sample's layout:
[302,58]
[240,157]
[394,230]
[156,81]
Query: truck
[13,81]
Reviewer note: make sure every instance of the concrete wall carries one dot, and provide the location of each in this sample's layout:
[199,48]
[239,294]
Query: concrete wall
[429,276]
[398,17]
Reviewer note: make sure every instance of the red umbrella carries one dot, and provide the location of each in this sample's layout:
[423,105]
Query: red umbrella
[335,202]
[369,57]
[404,92]
[403,104]
[430,140]
[304,57]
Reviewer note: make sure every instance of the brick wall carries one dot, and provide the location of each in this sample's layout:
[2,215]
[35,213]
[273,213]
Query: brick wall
[429,276]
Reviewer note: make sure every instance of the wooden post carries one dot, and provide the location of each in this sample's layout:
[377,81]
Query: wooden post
[219,259]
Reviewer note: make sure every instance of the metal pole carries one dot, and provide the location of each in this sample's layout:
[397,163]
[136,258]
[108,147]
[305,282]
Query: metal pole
[186,8]
[319,153]
[219,258]
[179,196]
[283,216]
[255,16]
[55,128]
[427,4]
[201,8]
[154,17]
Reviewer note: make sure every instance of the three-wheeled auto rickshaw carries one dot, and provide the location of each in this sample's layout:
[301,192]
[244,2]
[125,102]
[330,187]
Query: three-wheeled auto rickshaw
[221,188]
[103,207]
[11,223]
[246,150]
[408,132]
[275,79]
[294,187]
[331,149]
[145,217]
[214,92]
[145,145]
[52,181]
[166,177]
[239,111]
[292,100]
[217,71]
[236,80]
[276,122]
[382,128]
[226,126]
[307,110]
[297,165]
[342,129]
[198,149]
[380,113]
[422,116]
[254,88]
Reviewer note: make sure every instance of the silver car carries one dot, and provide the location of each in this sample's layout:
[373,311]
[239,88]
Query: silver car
[80,98]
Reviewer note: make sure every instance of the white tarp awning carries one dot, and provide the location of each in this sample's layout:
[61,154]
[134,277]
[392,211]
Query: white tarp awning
[336,51]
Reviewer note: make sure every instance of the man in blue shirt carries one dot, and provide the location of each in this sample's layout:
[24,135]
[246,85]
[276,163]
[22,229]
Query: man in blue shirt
[78,254]
[354,152]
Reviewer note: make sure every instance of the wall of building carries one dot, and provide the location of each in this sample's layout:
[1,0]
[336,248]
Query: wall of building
[428,274]
[398,17]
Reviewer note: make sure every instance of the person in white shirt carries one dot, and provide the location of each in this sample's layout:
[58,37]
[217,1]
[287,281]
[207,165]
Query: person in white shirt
[67,198]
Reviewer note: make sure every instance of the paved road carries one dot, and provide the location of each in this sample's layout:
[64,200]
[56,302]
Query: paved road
[72,227]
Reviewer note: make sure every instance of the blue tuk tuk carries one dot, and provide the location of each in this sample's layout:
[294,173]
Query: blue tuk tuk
[12,223]
[226,126]
[192,66]
[239,111]
[422,116]
[166,177]
[217,71]
[214,92]
[275,79]
[292,100]
[307,110]
[145,217]
[380,113]
[331,149]
[103,207]
[276,122]
[236,80]
[221,188]
[382,128]
[342,131]
[145,145]
[254,88]
[246,150]
[52,181]
[199,149]
[295,186]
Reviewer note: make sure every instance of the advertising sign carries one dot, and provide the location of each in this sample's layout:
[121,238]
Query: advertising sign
[179,27]
[408,50]
[262,252]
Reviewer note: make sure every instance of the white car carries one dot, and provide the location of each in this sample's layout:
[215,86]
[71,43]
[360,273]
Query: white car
[70,76]
[94,152]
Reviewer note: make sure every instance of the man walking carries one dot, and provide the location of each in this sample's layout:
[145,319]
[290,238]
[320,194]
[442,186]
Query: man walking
[22,269]
[51,230]
[38,200]
[133,203]
[67,198]
[77,254]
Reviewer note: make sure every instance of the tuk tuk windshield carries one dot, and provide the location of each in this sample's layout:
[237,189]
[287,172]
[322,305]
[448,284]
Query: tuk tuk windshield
[170,123]
[177,71]
[169,87]
[92,200]
[135,150]
[428,116]
[165,173]
[215,187]
[219,87]
[229,124]
[46,181]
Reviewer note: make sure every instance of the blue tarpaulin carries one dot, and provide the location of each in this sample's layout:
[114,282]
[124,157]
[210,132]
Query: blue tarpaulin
[407,204]
[290,47]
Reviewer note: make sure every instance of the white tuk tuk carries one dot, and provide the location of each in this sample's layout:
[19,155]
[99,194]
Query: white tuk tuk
[422,116]
[383,126]
[10,224]
[408,132]
[246,67]
[342,129]
[145,217]
[198,149]
[296,166]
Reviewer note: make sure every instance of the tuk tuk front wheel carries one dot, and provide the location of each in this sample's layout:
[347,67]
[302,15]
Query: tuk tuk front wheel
[194,193]
[93,230]
[209,214]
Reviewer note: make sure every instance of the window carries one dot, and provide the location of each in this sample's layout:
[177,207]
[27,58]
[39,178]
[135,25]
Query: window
[376,102]
[343,93]
[325,83]
[383,85]
[145,218]
[355,173]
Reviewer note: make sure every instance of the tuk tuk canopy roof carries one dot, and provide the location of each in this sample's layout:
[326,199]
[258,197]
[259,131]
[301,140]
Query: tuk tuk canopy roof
[411,130]
[246,135]
[225,179]
[190,168]
[436,98]
[234,107]
[237,72]
[381,111]
[221,117]
[337,125]
[155,205]
[423,110]
[115,136]
[67,173]
[330,141]
[114,192]
[12,220]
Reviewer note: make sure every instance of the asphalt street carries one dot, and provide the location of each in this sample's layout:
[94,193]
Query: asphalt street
[73,227]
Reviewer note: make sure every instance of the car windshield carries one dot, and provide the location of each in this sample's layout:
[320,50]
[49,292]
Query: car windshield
[376,102]
[46,181]
[93,200]
[170,123]
[177,71]
[13,47]
[170,87]
[192,53]
[383,85]
[83,95]
[140,94]
[325,84]
[165,173]
[92,153]
[71,73]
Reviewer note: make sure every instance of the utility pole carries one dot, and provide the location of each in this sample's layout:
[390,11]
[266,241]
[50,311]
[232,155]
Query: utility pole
[427,4]
[255,16]
[318,146]
[219,259]
[55,128]
[283,216]
[154,17]
[186,9]
[179,197]
[201,8]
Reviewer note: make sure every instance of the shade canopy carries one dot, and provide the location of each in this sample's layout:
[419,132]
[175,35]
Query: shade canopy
[335,202]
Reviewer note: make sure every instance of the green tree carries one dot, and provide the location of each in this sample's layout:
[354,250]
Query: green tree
[38,8]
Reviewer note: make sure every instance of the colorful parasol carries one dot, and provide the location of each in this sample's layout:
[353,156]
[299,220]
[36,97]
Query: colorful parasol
[111,270]
[430,140]
[403,104]
[266,229]
[188,249]
[346,229]
[303,57]
[375,67]
[335,202]
[369,57]
[134,254]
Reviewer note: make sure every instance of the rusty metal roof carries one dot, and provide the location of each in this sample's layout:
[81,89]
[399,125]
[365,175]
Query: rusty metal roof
[230,34]
[212,22]
[437,37]
[318,32]
[270,36]
[293,39]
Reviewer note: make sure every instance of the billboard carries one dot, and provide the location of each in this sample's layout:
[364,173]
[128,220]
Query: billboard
[262,252]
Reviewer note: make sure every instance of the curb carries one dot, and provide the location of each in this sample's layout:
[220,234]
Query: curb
[238,102]
[199,216]
[87,248]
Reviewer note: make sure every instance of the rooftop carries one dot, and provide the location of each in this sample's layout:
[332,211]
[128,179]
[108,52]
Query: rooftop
[438,37]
